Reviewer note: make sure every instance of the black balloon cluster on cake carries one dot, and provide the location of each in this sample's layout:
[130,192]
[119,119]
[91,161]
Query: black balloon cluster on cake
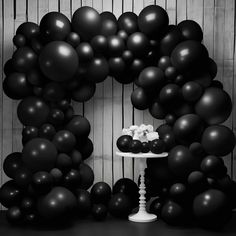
[58,61]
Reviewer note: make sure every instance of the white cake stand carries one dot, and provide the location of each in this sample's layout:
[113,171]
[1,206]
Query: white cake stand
[142,215]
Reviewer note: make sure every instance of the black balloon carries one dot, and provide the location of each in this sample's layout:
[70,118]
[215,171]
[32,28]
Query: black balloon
[85,147]
[72,179]
[109,24]
[14,215]
[53,92]
[140,99]
[157,110]
[214,107]
[101,193]
[115,45]
[145,147]
[156,206]
[32,111]
[56,117]
[99,44]
[170,119]
[29,29]
[178,192]
[117,66]
[85,52]
[42,182]
[197,182]
[23,177]
[84,92]
[84,203]
[47,131]
[64,162]
[28,133]
[152,20]
[19,40]
[8,67]
[218,140]
[87,22]
[164,62]
[171,73]
[27,204]
[123,143]
[128,22]
[99,212]
[157,146]
[192,91]
[86,176]
[73,39]
[169,94]
[135,146]
[54,26]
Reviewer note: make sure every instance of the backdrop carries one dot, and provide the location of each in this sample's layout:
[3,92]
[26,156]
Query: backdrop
[110,109]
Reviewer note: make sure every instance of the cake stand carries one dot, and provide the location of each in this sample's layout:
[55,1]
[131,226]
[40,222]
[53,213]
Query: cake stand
[142,215]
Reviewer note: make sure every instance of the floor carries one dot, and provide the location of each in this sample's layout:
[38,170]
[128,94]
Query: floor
[113,227]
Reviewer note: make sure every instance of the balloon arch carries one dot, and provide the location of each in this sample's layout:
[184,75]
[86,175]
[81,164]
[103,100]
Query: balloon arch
[58,61]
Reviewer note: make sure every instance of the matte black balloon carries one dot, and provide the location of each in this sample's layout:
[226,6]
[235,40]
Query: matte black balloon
[87,176]
[145,147]
[73,39]
[56,175]
[188,128]
[197,182]
[84,92]
[109,24]
[84,203]
[54,26]
[32,111]
[35,77]
[79,126]
[169,94]
[135,146]
[87,22]
[218,140]
[8,67]
[156,206]
[190,30]
[85,147]
[101,193]
[63,104]
[76,158]
[138,44]
[157,146]
[123,143]
[211,208]
[157,110]
[19,40]
[27,204]
[115,45]
[85,52]
[136,66]
[171,37]
[181,162]
[212,68]
[56,117]
[53,92]
[178,192]
[173,213]
[99,44]
[192,91]
[169,140]
[58,61]
[120,205]
[151,78]
[47,131]
[139,99]
[12,163]
[99,212]
[116,66]
[170,119]
[152,20]
[213,166]
[164,62]
[39,154]
[163,129]
[10,194]
[217,84]
[171,73]
[29,29]
[37,44]
[197,150]
[98,70]
[24,59]
[63,162]
[57,204]
[72,179]
[42,182]
[14,215]
[188,56]
[16,86]
[204,79]
[23,177]
[128,22]
[214,107]
[64,141]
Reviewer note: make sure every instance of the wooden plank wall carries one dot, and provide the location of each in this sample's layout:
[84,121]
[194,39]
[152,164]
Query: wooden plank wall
[110,109]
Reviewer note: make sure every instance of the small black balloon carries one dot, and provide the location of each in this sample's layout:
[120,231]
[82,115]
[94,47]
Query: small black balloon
[157,146]
[140,99]
[99,44]
[19,40]
[85,52]
[73,39]
[135,146]
[29,29]
[84,203]
[84,91]
[101,193]
[99,212]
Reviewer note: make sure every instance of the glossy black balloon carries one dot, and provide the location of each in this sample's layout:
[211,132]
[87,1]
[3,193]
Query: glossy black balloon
[87,22]
[135,146]
[56,117]
[164,62]
[32,111]
[197,182]
[85,147]
[54,26]
[76,158]
[169,140]
[157,110]
[169,94]
[109,24]
[101,193]
[99,44]
[140,99]
[23,177]
[128,22]
[29,29]
[156,206]
[53,92]
[8,67]
[85,52]
[73,39]
[72,179]
[19,40]
[84,203]
[84,92]
[86,176]
[115,45]
[14,215]
[58,61]
[27,204]
[123,143]
[47,131]
[145,147]
[178,192]
[171,73]
[42,182]
[170,119]
[152,20]
[192,91]
[117,66]
[157,146]
[63,162]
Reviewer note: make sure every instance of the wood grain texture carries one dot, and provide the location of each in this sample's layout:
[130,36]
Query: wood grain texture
[110,109]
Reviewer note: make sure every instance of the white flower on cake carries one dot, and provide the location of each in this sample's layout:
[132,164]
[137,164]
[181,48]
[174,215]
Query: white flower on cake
[127,132]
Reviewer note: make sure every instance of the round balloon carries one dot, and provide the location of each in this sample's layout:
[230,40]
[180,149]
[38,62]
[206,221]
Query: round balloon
[109,24]
[140,99]
[84,92]
[128,22]
[29,29]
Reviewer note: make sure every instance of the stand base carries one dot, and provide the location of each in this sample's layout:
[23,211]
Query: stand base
[142,217]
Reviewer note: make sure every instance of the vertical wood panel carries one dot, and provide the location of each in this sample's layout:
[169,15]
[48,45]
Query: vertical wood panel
[32,12]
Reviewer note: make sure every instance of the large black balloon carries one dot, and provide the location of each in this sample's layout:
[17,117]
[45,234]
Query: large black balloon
[24,59]
[218,140]
[12,163]
[84,92]
[84,203]
[211,208]
[32,111]
[190,30]
[101,193]
[189,56]
[123,143]
[29,29]
[152,20]
[151,78]
[39,154]
[188,128]
[87,176]
[79,126]
[214,106]
[181,162]
[57,204]
[140,99]
[86,21]
[128,22]
[138,44]
[58,61]
[10,194]
[98,70]
[109,24]
[54,26]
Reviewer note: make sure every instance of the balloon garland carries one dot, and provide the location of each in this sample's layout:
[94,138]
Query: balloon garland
[59,60]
